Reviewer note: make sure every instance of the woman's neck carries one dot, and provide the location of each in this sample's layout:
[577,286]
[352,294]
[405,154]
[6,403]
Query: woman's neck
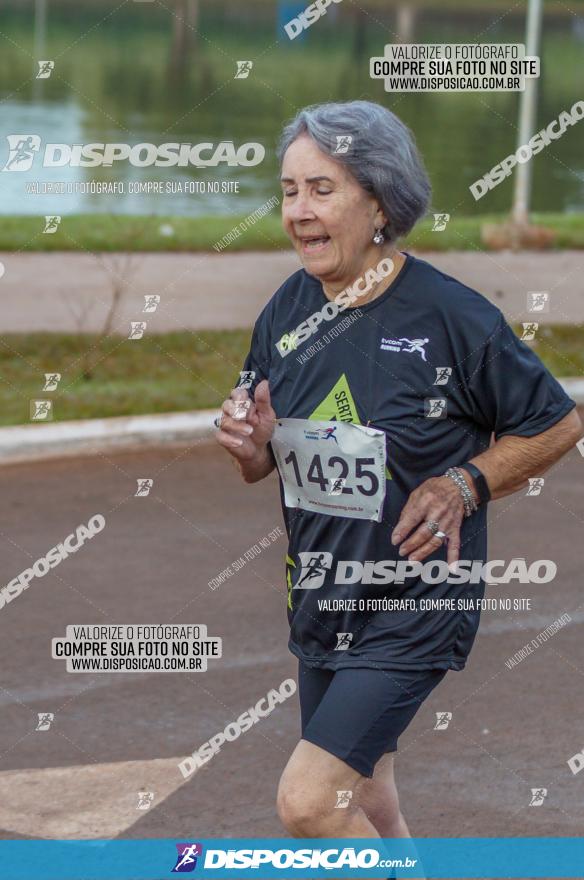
[332,289]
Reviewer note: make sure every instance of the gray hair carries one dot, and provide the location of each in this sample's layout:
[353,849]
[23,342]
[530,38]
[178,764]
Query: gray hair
[382,156]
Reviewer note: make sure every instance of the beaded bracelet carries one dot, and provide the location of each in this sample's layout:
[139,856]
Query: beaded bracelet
[470,504]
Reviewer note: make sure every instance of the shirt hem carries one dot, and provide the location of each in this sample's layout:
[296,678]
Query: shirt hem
[374,662]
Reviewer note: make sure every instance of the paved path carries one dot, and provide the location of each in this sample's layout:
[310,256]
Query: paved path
[72,291]
[117,734]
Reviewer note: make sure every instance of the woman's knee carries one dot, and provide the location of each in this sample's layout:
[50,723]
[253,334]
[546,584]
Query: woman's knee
[301,809]
[307,794]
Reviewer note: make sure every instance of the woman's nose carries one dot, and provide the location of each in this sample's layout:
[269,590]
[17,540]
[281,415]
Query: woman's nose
[301,208]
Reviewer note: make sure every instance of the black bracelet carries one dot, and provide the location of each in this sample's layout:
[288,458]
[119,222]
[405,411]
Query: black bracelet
[480,482]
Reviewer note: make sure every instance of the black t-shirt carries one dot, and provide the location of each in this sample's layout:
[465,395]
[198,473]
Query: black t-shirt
[378,365]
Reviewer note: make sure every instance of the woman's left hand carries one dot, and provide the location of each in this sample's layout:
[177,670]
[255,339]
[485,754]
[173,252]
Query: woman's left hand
[435,500]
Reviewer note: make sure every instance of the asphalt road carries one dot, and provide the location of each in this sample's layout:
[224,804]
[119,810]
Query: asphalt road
[114,735]
[41,291]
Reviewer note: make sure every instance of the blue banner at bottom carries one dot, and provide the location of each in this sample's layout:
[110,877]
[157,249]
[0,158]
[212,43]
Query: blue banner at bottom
[222,858]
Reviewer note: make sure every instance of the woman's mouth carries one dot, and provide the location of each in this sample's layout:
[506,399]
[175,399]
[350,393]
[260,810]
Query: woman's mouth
[314,244]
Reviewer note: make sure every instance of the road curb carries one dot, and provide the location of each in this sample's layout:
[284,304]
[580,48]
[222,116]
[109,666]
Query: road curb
[39,441]
[92,436]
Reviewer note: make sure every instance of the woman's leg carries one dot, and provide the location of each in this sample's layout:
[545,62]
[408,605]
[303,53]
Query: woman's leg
[308,796]
[379,800]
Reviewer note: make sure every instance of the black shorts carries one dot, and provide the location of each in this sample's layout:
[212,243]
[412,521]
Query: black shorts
[358,714]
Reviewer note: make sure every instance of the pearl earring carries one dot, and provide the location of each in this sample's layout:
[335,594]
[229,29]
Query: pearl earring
[379,237]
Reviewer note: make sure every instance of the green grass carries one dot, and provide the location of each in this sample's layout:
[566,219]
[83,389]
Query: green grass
[108,232]
[169,372]
[561,348]
[163,373]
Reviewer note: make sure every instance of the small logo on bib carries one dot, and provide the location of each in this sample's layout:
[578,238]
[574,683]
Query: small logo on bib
[321,434]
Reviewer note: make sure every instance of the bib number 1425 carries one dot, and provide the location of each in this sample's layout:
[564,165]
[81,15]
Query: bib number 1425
[339,468]
[334,468]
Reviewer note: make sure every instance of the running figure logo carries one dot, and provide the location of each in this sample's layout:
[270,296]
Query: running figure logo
[535,485]
[186,861]
[41,410]
[538,795]
[529,331]
[344,142]
[443,374]
[321,433]
[51,381]
[45,69]
[415,345]
[246,378]
[137,329]
[243,69]
[22,149]
[314,569]
[151,302]
[145,800]
[344,641]
[45,720]
[329,434]
[435,407]
[443,719]
[440,221]
[343,799]
[51,223]
[241,408]
[538,301]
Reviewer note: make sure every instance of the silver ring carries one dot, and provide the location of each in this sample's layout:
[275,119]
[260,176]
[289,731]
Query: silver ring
[441,535]
[433,526]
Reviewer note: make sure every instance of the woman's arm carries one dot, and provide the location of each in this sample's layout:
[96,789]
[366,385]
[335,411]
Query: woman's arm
[246,429]
[507,466]
[509,463]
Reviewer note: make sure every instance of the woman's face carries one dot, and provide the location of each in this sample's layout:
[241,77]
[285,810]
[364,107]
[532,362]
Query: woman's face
[328,217]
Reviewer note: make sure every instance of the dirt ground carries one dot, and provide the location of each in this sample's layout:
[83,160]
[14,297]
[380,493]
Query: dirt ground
[41,291]
[114,735]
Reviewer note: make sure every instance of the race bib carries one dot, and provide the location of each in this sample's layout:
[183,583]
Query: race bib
[336,468]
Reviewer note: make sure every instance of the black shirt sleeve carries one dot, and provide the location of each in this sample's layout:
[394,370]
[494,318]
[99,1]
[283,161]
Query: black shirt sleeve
[511,390]
[257,361]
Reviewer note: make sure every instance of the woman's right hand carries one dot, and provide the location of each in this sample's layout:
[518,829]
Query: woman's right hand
[247,425]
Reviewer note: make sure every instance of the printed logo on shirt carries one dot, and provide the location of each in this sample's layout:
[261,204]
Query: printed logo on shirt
[409,346]
[290,564]
[339,405]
